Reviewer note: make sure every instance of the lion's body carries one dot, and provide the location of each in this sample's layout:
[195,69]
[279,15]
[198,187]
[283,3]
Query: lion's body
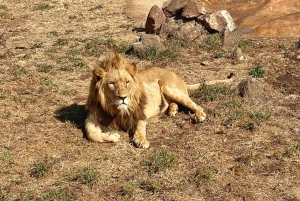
[121,98]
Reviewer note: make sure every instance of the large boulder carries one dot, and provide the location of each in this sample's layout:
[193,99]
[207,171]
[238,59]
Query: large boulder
[156,18]
[174,6]
[218,21]
[194,9]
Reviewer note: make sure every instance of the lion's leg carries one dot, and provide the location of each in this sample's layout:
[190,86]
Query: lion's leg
[95,134]
[173,109]
[139,137]
[179,96]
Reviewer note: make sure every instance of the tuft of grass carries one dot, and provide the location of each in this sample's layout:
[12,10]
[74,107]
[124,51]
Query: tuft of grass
[45,68]
[86,176]
[39,169]
[96,8]
[46,84]
[257,72]
[6,158]
[42,6]
[61,42]
[128,191]
[211,42]
[244,44]
[211,93]
[239,168]
[205,174]
[291,150]
[58,195]
[159,161]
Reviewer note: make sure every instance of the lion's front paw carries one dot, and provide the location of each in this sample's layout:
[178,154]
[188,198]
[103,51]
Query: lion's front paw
[113,137]
[140,141]
[199,116]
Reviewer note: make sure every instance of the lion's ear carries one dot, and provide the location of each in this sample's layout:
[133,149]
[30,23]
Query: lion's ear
[99,72]
[132,69]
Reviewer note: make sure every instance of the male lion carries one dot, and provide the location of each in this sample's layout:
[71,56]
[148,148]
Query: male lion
[123,98]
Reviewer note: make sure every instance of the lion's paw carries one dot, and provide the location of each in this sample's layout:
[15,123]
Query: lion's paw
[199,116]
[141,142]
[113,137]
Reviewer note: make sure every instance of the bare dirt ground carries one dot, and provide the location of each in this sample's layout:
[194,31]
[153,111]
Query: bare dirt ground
[247,149]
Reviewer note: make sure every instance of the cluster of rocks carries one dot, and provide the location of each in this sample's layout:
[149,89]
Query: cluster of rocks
[187,19]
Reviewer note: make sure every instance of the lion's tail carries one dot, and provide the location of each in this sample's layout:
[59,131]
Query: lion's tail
[192,87]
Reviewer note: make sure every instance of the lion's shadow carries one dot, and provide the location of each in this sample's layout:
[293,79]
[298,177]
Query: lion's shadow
[76,114]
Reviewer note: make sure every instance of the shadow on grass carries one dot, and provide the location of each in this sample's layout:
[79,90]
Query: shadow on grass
[76,114]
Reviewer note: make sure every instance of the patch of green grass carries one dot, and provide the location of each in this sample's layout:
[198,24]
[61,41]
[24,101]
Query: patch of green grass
[6,114]
[45,68]
[291,150]
[54,33]
[40,169]
[58,195]
[96,8]
[61,42]
[125,26]
[86,176]
[69,92]
[159,161]
[93,47]
[128,191]
[258,72]
[46,84]
[259,117]
[79,64]
[43,6]
[6,157]
[205,174]
[36,45]
[3,7]
[211,42]
[281,46]
[239,168]
[244,44]
[211,93]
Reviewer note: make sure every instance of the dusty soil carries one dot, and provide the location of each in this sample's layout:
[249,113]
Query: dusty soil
[247,149]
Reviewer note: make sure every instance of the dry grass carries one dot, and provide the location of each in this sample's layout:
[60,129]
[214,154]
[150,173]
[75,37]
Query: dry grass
[248,149]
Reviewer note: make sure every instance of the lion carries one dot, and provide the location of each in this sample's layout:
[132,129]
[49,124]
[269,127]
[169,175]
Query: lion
[121,98]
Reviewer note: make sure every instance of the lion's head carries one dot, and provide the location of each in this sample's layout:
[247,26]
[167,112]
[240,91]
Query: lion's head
[116,92]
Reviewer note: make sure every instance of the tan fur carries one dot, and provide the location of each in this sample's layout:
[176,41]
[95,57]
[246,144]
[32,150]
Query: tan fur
[121,98]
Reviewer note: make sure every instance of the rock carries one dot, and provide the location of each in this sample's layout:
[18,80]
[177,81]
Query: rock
[218,21]
[169,28]
[156,18]
[146,42]
[238,54]
[174,7]
[251,88]
[189,30]
[194,9]
[229,40]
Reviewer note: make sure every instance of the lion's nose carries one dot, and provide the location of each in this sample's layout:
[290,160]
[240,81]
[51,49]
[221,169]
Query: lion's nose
[122,97]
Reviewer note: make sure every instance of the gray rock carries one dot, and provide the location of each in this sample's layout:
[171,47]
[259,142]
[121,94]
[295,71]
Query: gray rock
[218,21]
[146,42]
[251,88]
[189,30]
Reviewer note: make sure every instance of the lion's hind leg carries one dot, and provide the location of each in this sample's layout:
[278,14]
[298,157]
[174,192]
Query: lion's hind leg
[180,96]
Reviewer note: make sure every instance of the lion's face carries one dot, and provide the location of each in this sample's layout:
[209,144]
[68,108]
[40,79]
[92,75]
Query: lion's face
[117,88]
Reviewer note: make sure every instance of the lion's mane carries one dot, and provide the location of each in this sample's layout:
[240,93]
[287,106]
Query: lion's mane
[97,99]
